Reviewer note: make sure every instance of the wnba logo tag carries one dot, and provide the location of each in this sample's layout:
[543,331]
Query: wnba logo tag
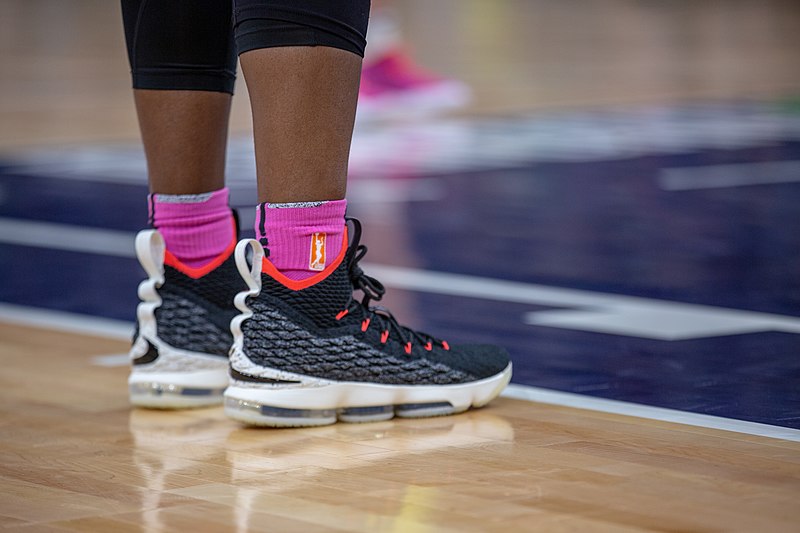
[316,260]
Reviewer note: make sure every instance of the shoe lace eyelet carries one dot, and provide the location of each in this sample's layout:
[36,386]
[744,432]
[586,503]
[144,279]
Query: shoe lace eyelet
[372,291]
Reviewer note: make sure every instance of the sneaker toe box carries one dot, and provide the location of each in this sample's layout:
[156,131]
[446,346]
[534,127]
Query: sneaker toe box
[479,360]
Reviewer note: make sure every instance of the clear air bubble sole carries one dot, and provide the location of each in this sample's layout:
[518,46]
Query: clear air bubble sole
[355,402]
[178,379]
[163,394]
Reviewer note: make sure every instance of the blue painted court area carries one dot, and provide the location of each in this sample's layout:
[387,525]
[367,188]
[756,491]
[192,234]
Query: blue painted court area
[644,255]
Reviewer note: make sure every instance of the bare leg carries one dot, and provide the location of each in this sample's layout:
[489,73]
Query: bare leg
[304,102]
[184,134]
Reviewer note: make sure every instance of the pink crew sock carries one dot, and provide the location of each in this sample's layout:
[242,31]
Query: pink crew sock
[196,227]
[303,237]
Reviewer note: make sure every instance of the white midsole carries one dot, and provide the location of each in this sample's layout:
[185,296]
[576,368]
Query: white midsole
[211,379]
[181,368]
[334,395]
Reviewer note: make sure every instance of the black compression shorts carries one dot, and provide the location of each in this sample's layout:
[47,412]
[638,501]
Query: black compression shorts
[193,44]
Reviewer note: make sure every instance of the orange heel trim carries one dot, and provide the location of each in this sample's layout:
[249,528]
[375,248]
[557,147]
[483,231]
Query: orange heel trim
[297,285]
[199,272]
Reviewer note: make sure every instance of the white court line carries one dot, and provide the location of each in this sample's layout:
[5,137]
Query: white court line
[578,401]
[613,314]
[115,329]
[594,311]
[112,360]
[66,237]
[735,175]
[67,322]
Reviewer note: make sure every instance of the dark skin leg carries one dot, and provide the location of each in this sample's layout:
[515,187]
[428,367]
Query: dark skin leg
[185,135]
[304,103]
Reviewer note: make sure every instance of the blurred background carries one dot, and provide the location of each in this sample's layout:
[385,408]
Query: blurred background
[610,189]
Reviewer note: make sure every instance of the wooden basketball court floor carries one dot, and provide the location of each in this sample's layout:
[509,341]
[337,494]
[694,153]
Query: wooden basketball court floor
[75,457]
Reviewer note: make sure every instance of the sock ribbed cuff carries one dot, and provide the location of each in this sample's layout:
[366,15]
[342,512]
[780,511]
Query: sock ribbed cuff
[302,238]
[196,228]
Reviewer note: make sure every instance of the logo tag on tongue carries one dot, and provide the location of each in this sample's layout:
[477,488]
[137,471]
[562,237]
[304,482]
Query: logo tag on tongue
[316,260]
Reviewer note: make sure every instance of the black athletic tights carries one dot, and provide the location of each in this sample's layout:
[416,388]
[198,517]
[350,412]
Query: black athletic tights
[193,44]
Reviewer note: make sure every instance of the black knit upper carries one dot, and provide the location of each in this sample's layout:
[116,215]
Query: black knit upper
[218,287]
[195,314]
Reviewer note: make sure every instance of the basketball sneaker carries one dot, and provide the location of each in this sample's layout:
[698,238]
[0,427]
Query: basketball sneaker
[393,86]
[180,351]
[307,353]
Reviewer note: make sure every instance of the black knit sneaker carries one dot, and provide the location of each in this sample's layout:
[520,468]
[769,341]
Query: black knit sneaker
[307,353]
[180,351]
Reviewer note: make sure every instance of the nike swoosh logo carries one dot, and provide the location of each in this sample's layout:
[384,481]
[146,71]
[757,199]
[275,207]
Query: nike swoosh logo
[256,379]
[149,356]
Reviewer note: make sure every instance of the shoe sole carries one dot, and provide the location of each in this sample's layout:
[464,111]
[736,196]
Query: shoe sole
[328,402]
[162,391]
[177,379]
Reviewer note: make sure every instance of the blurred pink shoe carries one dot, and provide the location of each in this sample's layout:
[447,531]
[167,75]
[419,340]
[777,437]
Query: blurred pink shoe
[393,86]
